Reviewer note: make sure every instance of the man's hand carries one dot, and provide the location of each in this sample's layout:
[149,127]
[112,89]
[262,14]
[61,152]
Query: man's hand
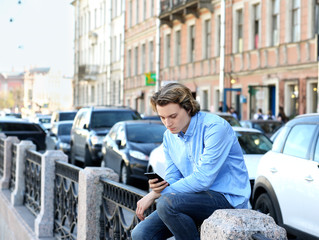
[145,203]
[157,187]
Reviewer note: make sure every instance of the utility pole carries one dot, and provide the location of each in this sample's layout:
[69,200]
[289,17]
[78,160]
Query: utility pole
[158,42]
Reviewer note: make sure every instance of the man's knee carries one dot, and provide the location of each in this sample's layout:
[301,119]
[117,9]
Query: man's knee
[165,204]
[137,233]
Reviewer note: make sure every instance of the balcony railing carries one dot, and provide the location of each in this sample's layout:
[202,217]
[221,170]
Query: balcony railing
[171,6]
[88,72]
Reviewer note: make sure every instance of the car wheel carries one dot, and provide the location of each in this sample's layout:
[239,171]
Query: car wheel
[264,205]
[125,175]
[87,158]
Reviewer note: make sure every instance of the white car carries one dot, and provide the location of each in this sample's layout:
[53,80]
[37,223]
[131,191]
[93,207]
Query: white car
[254,145]
[287,180]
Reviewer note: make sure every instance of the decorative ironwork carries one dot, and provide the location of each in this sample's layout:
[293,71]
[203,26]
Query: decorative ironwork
[118,216]
[1,156]
[66,200]
[12,181]
[32,195]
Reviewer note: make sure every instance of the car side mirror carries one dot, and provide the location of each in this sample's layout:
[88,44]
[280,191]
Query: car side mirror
[118,143]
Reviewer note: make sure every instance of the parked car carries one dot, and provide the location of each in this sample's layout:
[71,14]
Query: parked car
[61,136]
[10,114]
[91,124]
[24,130]
[287,180]
[126,148]
[254,145]
[44,120]
[63,116]
[268,127]
[151,117]
[229,118]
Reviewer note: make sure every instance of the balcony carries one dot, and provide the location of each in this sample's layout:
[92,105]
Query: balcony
[176,9]
[88,72]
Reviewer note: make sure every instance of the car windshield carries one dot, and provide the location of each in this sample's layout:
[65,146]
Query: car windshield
[231,120]
[109,118]
[65,129]
[145,133]
[253,143]
[67,116]
[45,120]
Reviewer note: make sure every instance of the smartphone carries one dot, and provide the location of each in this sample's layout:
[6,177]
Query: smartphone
[152,175]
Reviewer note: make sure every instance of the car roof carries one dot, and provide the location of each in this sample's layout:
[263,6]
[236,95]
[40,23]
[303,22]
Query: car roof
[14,120]
[142,121]
[304,118]
[243,129]
[261,121]
[63,122]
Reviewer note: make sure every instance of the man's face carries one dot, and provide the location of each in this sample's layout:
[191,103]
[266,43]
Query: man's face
[175,118]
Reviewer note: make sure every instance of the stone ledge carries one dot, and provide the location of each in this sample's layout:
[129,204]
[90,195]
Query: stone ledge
[240,224]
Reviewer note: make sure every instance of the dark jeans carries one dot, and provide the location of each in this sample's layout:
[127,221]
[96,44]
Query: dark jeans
[179,214]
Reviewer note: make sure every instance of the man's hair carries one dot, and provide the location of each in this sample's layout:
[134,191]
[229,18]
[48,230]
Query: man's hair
[175,93]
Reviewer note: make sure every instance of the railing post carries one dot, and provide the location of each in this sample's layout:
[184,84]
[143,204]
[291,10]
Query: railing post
[18,192]
[90,199]
[7,161]
[44,222]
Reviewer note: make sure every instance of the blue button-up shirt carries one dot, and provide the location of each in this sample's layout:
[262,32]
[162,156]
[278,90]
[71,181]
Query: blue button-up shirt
[207,157]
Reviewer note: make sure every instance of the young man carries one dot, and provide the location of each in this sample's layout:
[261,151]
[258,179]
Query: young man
[205,169]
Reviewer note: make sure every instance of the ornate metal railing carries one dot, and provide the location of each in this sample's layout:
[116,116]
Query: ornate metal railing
[12,181]
[118,216]
[32,195]
[66,200]
[1,156]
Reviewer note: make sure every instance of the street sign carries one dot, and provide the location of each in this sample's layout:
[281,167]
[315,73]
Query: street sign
[150,79]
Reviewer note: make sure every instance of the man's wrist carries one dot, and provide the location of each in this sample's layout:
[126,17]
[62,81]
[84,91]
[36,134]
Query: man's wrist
[155,195]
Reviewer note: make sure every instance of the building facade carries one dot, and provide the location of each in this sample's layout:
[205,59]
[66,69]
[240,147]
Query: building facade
[45,91]
[241,54]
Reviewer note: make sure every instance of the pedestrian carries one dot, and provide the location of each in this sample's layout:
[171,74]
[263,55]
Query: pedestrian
[233,112]
[259,115]
[281,115]
[269,116]
[205,169]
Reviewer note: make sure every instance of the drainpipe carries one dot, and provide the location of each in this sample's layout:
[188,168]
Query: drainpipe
[158,42]
[222,53]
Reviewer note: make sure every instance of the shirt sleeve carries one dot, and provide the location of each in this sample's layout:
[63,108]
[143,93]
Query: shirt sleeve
[218,141]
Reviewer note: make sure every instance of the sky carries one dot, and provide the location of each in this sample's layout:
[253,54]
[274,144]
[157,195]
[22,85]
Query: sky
[36,33]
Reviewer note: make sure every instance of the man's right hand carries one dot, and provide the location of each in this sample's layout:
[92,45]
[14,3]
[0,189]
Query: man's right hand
[145,203]
[156,186]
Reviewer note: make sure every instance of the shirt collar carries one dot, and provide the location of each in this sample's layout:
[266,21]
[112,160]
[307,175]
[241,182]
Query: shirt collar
[191,128]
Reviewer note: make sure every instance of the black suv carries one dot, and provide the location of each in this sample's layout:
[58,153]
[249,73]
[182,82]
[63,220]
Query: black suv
[24,130]
[90,126]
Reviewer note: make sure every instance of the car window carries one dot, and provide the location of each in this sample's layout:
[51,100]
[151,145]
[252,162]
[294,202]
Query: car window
[231,120]
[267,127]
[109,118]
[316,157]
[253,143]
[145,133]
[15,127]
[65,129]
[299,140]
[121,135]
[64,116]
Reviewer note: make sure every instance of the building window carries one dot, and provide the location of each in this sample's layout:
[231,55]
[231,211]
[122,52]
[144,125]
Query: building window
[136,11]
[144,10]
[129,63]
[191,43]
[275,23]
[130,14]
[167,50]
[95,18]
[151,56]
[256,26]
[239,31]
[92,94]
[136,61]
[152,9]
[143,59]
[316,9]
[218,37]
[207,38]
[177,48]
[114,49]
[295,20]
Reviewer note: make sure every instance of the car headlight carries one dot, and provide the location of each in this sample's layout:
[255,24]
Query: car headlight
[65,146]
[97,139]
[138,155]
